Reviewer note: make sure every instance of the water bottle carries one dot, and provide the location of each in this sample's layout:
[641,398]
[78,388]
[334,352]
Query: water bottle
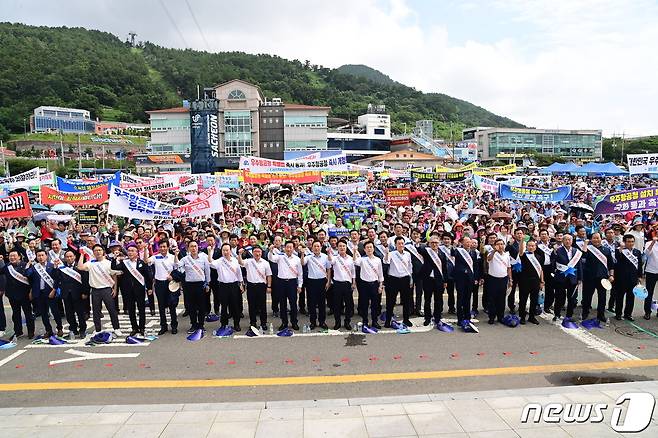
[540,300]
[271,329]
[260,331]
[359,326]
[304,329]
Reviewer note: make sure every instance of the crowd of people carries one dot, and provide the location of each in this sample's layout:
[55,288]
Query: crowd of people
[432,258]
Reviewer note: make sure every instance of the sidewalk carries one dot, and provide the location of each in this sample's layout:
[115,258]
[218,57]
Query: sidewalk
[451,415]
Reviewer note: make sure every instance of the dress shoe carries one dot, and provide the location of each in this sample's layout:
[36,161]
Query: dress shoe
[533,321]
[275,314]
[618,318]
[283,326]
[452,311]
[337,326]
[191,330]
[174,331]
[295,327]
[133,333]
[629,318]
[237,328]
[312,326]
[387,324]
[324,326]
[163,331]
[185,313]
[492,321]
[647,316]
[407,323]
[347,326]
[376,325]
[303,311]
[427,322]
[60,332]
[522,321]
[152,312]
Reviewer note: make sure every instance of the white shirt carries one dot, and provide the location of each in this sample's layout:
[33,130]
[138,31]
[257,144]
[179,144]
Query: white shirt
[400,264]
[391,241]
[289,267]
[96,279]
[317,266]
[499,264]
[163,265]
[547,250]
[652,258]
[196,269]
[371,268]
[257,271]
[343,268]
[228,270]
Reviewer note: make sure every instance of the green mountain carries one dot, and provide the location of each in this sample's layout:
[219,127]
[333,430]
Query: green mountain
[363,71]
[97,71]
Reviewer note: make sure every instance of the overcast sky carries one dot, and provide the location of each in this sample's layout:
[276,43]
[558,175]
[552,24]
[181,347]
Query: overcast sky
[568,64]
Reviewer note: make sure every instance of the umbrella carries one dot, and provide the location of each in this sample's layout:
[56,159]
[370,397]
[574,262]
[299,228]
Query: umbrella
[501,215]
[284,191]
[38,207]
[231,194]
[582,206]
[62,208]
[414,195]
[41,216]
[60,217]
[476,211]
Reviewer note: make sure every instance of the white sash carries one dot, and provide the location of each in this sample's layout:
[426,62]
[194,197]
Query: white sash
[133,271]
[446,251]
[436,260]
[228,265]
[630,256]
[580,243]
[293,270]
[599,255]
[339,259]
[611,247]
[260,274]
[573,261]
[401,259]
[71,273]
[535,263]
[30,255]
[412,249]
[98,268]
[467,258]
[547,251]
[53,256]
[44,275]
[372,268]
[87,250]
[17,275]
[197,269]
[318,264]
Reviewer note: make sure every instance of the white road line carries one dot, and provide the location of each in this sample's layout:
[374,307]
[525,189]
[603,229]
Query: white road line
[592,341]
[82,344]
[11,357]
[86,355]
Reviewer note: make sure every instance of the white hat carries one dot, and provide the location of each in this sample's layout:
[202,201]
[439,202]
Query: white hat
[174,286]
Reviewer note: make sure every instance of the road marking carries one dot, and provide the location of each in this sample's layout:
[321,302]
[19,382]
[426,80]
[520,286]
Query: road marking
[592,341]
[86,355]
[11,357]
[327,379]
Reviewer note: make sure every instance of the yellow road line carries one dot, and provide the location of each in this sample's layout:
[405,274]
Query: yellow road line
[315,380]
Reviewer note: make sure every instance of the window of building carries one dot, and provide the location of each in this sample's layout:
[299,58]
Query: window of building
[237,137]
[379,131]
[236,95]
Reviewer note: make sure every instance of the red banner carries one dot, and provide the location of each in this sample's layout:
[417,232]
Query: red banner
[397,197]
[50,196]
[17,205]
[282,178]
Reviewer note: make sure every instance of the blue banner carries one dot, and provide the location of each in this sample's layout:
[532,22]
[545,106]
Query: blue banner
[354,216]
[72,186]
[534,194]
[204,135]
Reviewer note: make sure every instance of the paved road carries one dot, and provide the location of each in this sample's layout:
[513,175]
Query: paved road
[174,370]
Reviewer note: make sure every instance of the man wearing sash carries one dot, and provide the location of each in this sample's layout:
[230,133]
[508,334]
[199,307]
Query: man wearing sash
[275,249]
[612,244]
[74,287]
[434,265]
[399,277]
[102,279]
[568,274]
[196,267]
[628,270]
[371,285]
[465,274]
[344,280]
[597,265]
[514,250]
[317,283]
[530,281]
[56,252]
[651,271]
[259,283]
[163,264]
[543,254]
[135,282]
[417,263]
[18,292]
[290,276]
[499,274]
[213,253]
[446,248]
[229,276]
[43,291]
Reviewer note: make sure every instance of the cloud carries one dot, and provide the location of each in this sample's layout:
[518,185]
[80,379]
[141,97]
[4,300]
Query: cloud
[564,63]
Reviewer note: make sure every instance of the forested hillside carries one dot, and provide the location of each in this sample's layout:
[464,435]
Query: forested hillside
[97,71]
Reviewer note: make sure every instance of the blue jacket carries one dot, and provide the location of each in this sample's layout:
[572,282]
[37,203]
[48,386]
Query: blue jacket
[593,269]
[35,280]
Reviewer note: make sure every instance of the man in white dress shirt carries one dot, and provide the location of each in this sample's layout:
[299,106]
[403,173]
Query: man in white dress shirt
[399,277]
[317,283]
[291,277]
[163,264]
[229,276]
[371,285]
[259,283]
[196,267]
[344,281]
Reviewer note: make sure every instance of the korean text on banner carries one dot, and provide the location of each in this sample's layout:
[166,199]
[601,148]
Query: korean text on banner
[397,197]
[263,165]
[334,189]
[67,185]
[282,178]
[132,205]
[23,180]
[535,194]
[97,196]
[17,205]
[642,163]
[631,200]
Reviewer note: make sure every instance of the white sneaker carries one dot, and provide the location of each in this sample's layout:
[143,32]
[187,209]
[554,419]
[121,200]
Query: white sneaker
[118,333]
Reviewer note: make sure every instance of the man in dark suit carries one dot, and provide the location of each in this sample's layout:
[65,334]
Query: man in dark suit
[628,270]
[135,282]
[465,274]
[213,254]
[433,281]
[43,291]
[513,249]
[598,264]
[74,288]
[18,292]
[568,275]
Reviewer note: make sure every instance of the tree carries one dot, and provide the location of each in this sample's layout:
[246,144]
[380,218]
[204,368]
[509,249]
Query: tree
[4,133]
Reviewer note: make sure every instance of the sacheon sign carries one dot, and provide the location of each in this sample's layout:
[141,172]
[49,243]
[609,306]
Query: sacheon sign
[204,131]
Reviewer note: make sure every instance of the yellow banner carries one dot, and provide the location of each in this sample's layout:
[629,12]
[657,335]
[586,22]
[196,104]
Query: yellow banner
[499,170]
[352,173]
[232,172]
[468,167]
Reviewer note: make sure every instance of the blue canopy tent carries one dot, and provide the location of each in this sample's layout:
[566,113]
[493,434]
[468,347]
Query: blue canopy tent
[561,168]
[602,169]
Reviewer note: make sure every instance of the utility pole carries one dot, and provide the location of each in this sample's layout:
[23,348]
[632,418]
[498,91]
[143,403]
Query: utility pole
[61,145]
[79,157]
[103,152]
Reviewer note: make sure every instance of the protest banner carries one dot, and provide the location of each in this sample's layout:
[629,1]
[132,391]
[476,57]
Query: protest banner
[23,180]
[535,194]
[630,200]
[88,216]
[257,165]
[17,205]
[642,163]
[491,185]
[69,185]
[333,189]
[397,197]
[498,170]
[282,178]
[97,196]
